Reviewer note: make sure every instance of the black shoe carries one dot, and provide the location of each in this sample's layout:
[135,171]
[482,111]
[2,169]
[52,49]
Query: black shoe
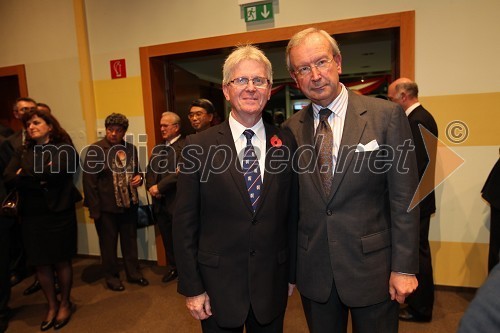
[58,324]
[46,325]
[170,276]
[408,315]
[115,286]
[33,288]
[141,281]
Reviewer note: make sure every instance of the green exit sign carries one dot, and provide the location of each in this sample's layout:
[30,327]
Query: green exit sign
[258,12]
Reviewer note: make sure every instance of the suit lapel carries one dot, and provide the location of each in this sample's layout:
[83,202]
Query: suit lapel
[268,176]
[354,126]
[233,165]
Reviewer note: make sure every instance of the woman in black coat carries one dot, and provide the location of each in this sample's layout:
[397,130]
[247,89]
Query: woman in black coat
[42,171]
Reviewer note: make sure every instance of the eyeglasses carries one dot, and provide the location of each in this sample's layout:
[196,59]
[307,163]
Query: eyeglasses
[25,109]
[258,82]
[321,65]
[167,125]
[198,114]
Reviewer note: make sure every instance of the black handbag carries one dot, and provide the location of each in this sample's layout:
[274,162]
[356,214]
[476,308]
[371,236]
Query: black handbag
[10,204]
[145,216]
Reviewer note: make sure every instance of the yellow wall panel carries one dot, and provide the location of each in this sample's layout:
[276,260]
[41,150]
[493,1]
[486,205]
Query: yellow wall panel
[459,264]
[479,112]
[120,95]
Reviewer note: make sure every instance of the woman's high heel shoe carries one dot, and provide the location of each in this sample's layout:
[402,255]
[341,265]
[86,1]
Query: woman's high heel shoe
[46,325]
[58,324]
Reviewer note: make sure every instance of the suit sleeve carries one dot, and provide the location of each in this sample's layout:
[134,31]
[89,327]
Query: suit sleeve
[402,184]
[186,223]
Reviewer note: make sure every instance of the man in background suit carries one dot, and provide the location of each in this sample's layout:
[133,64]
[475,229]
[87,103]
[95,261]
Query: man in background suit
[161,182]
[235,218]
[7,148]
[6,223]
[357,248]
[491,193]
[404,92]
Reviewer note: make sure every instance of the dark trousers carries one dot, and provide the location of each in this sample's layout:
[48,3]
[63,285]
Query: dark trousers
[109,226]
[421,301]
[332,316]
[251,325]
[164,221]
[4,264]
[494,238]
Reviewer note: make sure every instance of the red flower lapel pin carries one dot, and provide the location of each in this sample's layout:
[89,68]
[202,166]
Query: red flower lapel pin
[275,141]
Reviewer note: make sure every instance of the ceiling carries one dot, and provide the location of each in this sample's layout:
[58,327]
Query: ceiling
[364,54]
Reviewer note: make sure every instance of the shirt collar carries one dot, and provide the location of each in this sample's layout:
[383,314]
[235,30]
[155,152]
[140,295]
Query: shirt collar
[173,140]
[411,108]
[237,129]
[336,106]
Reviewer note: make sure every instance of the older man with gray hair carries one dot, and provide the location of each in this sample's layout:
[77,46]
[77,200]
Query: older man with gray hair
[161,182]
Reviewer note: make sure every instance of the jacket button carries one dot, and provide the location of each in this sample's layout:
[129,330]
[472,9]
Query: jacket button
[329,212]
[252,253]
[254,221]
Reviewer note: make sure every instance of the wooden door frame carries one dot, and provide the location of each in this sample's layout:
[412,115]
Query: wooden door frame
[153,86]
[20,72]
[153,80]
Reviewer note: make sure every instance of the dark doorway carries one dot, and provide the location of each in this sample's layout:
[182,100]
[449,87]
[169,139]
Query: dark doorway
[12,86]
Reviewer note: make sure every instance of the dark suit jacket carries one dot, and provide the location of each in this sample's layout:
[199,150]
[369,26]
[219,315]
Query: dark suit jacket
[362,231]
[162,171]
[97,177]
[421,116]
[240,258]
[491,188]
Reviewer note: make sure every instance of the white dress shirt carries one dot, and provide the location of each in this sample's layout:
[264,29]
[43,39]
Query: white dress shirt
[258,141]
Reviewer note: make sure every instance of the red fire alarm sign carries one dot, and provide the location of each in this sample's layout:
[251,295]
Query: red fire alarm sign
[118,69]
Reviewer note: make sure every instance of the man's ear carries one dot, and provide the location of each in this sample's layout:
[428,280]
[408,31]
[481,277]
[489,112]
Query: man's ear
[338,62]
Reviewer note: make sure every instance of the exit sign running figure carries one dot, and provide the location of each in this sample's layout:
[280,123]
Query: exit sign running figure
[258,12]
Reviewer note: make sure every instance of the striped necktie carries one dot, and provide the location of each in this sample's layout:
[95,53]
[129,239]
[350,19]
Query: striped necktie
[324,149]
[251,170]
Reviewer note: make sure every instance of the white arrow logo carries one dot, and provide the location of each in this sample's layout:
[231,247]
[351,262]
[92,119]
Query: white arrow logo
[265,13]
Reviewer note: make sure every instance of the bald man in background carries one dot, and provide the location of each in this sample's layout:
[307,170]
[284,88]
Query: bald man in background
[404,92]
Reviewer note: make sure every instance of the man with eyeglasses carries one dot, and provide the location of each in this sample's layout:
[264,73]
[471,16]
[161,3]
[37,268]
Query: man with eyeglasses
[357,246]
[201,114]
[235,216]
[161,182]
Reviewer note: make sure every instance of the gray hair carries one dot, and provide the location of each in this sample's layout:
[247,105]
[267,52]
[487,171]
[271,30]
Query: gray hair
[245,52]
[172,115]
[299,38]
[409,87]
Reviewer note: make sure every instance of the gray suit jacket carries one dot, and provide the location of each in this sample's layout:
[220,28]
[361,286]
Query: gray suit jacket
[362,231]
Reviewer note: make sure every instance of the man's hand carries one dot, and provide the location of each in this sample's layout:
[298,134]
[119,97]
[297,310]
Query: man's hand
[290,289]
[153,190]
[136,181]
[199,306]
[401,285]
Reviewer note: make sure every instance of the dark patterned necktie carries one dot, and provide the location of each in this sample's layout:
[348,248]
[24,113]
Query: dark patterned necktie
[324,149]
[251,170]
